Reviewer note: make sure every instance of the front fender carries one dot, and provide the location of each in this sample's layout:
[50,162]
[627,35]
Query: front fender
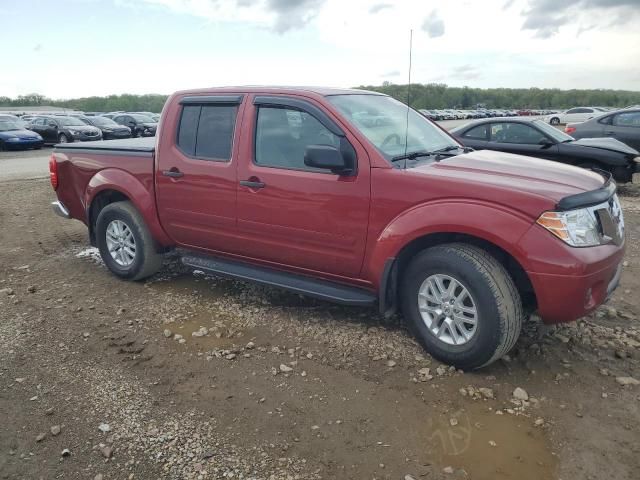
[493,223]
[138,191]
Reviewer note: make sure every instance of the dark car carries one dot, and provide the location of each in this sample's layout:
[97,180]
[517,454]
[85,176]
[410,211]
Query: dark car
[535,138]
[623,125]
[62,129]
[110,129]
[140,125]
[14,136]
[431,114]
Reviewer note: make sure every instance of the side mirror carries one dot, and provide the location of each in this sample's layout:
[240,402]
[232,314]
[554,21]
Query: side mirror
[53,125]
[326,157]
[545,142]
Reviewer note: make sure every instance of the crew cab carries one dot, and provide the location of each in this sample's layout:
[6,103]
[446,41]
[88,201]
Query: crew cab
[352,197]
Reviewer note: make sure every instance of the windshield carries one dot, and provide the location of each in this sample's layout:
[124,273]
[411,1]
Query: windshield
[383,121]
[553,132]
[7,125]
[102,122]
[142,118]
[70,122]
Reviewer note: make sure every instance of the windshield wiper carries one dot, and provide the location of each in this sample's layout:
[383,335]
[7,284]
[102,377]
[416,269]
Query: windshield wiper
[424,153]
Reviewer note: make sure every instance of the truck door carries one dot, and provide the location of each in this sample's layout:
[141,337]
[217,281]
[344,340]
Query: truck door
[196,175]
[292,214]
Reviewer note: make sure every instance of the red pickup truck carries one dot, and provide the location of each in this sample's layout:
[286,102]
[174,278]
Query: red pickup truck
[349,196]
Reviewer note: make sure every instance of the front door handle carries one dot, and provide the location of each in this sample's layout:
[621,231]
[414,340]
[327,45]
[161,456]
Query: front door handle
[173,173]
[610,133]
[252,184]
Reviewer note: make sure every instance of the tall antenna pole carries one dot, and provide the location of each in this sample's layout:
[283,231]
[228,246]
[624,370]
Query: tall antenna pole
[406,132]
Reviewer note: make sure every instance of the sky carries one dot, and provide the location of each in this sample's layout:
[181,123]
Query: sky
[75,48]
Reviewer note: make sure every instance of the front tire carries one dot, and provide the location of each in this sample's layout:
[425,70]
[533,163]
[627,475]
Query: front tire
[62,138]
[555,121]
[125,243]
[462,305]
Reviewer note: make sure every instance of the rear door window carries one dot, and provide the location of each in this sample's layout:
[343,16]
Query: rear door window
[206,131]
[630,119]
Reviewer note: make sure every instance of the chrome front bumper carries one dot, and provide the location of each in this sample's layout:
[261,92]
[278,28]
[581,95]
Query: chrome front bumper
[60,210]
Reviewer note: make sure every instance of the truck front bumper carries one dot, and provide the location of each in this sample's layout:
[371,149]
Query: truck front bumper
[570,282]
[60,210]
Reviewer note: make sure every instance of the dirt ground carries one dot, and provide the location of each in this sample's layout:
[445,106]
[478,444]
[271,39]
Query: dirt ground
[104,379]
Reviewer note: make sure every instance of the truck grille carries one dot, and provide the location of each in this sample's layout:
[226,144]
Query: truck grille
[611,219]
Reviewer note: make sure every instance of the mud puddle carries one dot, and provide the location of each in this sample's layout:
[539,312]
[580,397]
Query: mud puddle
[489,446]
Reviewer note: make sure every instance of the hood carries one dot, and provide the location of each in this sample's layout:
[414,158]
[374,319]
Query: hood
[606,144]
[530,184]
[81,128]
[113,128]
[22,134]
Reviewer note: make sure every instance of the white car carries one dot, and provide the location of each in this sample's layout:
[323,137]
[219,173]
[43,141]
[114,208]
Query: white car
[573,115]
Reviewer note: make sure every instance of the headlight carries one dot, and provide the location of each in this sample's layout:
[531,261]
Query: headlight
[12,139]
[578,228]
[75,132]
[637,159]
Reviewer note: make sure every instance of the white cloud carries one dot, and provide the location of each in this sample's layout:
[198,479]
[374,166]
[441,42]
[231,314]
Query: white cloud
[579,44]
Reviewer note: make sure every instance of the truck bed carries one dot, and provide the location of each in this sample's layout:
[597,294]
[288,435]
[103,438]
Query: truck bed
[145,144]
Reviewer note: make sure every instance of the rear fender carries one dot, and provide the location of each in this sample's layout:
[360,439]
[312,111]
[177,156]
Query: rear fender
[492,223]
[139,193]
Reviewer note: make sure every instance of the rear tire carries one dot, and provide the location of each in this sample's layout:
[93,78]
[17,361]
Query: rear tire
[492,294]
[125,243]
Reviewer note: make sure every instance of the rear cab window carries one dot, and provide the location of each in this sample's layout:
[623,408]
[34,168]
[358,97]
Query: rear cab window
[205,132]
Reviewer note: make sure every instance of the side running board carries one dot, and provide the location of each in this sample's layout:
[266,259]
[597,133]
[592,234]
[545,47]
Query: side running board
[322,289]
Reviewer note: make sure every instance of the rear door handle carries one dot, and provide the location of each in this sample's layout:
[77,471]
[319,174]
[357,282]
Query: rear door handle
[252,184]
[173,173]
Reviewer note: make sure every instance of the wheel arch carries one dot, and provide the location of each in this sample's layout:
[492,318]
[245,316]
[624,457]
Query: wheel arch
[396,266]
[114,185]
[508,261]
[495,228]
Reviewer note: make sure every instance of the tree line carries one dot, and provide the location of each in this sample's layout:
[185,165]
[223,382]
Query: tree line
[432,95]
[126,102]
[436,95]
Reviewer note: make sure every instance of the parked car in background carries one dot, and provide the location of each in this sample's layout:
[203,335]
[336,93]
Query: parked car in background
[430,114]
[14,136]
[445,115]
[252,183]
[140,125]
[63,129]
[623,125]
[110,129]
[20,122]
[579,114]
[536,138]
[111,114]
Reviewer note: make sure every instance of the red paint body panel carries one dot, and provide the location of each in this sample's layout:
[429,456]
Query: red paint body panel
[345,228]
